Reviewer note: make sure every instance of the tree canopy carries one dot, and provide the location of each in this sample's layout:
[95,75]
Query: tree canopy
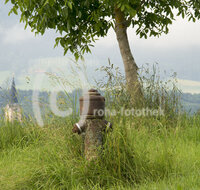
[81,22]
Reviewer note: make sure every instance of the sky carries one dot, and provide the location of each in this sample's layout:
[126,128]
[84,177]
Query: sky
[28,57]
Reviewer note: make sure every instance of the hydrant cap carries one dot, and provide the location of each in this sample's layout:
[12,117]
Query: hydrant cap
[94,102]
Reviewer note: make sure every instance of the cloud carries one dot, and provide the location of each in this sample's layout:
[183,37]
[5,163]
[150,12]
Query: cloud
[44,73]
[16,34]
[4,75]
[189,86]
[181,33]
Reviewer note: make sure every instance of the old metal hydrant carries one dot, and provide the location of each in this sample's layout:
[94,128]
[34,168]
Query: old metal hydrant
[92,124]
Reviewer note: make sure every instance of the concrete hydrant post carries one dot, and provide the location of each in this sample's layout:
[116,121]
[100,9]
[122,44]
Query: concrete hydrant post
[92,123]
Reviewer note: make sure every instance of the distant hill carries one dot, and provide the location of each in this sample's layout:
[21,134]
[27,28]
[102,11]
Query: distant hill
[25,100]
[190,102]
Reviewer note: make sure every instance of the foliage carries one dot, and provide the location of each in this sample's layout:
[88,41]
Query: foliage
[80,23]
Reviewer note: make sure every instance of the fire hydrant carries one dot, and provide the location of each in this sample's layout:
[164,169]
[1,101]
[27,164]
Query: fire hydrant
[92,124]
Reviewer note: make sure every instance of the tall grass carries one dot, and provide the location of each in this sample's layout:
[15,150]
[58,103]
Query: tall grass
[140,153]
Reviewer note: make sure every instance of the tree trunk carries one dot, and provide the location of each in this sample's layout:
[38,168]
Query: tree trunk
[133,84]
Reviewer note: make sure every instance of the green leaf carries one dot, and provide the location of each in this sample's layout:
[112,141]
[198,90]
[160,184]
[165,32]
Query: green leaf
[65,12]
[119,5]
[122,8]
[69,5]
[68,25]
[51,2]
[133,12]
[183,15]
[76,55]
[79,14]
[46,2]
[15,10]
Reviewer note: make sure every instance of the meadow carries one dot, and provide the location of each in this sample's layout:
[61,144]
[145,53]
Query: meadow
[141,153]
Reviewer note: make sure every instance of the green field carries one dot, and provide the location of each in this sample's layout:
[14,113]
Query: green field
[140,153]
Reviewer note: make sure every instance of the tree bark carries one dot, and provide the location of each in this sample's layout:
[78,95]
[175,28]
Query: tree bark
[131,69]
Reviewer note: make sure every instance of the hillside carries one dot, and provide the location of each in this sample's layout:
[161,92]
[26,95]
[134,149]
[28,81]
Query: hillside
[190,102]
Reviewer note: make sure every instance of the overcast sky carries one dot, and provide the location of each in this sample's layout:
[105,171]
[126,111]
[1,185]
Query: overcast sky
[28,56]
